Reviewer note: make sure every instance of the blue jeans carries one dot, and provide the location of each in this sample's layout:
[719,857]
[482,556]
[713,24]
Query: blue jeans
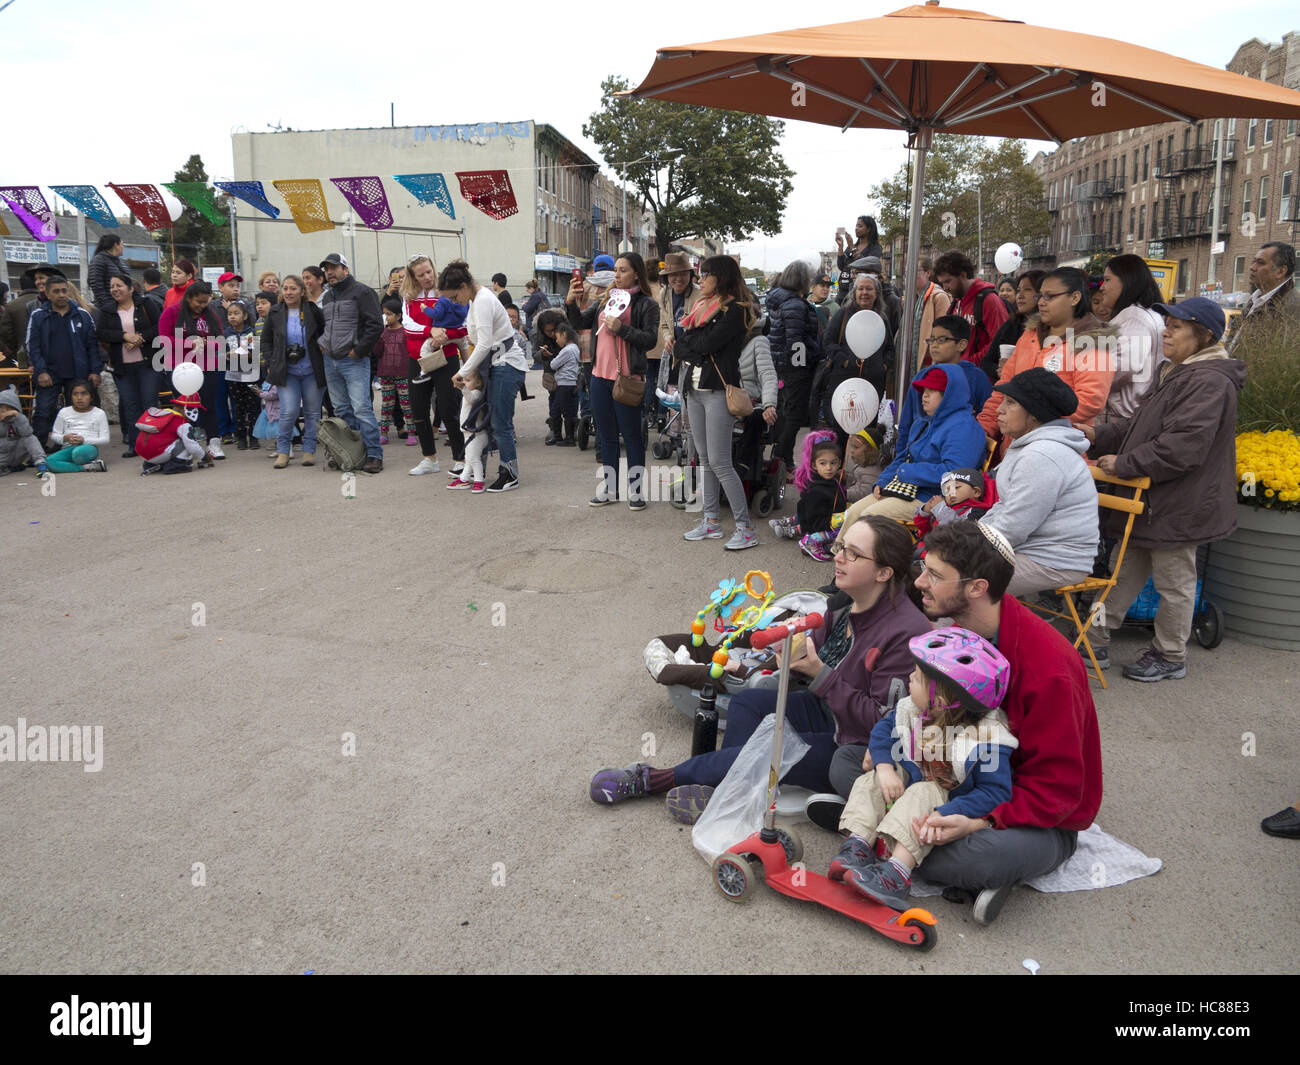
[137,388]
[299,393]
[612,421]
[503,390]
[349,385]
[803,714]
[225,422]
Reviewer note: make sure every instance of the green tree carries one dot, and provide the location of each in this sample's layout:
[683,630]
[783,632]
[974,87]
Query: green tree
[728,180]
[957,166]
[192,235]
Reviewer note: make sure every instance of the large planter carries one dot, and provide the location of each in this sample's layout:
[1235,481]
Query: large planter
[1254,578]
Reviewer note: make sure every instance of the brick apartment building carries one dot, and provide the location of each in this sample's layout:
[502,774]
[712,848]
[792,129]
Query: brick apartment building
[1150,190]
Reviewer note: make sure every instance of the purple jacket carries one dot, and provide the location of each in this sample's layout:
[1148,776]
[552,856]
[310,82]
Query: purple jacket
[858,697]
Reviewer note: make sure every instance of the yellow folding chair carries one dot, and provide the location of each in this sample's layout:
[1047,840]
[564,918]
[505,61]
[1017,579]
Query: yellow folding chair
[1132,506]
[21,381]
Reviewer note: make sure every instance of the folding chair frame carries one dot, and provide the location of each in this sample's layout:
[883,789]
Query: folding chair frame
[1105,585]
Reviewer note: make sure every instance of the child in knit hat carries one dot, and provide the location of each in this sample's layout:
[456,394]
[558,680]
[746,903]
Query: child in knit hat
[17,441]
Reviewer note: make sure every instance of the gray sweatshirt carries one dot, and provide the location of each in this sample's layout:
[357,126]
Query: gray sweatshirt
[1047,499]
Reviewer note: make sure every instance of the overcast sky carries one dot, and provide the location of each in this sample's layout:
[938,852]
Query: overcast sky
[143,85]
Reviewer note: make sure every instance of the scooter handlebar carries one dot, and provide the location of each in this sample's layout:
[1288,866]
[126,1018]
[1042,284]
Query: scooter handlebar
[777,633]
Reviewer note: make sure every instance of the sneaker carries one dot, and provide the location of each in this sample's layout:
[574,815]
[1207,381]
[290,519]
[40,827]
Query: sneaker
[708,529]
[424,466]
[505,481]
[42,469]
[686,802]
[458,467]
[95,466]
[815,550]
[601,501]
[412,440]
[214,449]
[383,438]
[479,488]
[881,882]
[373,465]
[1102,653]
[856,853]
[636,504]
[610,786]
[742,538]
[227,438]
[989,903]
[456,482]
[785,528]
[1152,666]
[824,810]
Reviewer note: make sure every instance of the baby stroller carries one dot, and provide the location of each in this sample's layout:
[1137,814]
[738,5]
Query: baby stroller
[586,420]
[669,420]
[1207,621]
[762,475]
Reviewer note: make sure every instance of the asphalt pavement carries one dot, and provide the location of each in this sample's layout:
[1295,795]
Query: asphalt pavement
[349,727]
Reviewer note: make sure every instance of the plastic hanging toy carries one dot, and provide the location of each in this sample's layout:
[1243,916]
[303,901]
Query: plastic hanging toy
[726,600]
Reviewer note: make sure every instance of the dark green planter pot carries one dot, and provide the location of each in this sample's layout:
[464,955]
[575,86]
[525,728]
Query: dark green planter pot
[1254,577]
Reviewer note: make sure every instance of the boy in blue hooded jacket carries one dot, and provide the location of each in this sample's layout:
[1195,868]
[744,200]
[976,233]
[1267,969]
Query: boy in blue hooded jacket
[945,436]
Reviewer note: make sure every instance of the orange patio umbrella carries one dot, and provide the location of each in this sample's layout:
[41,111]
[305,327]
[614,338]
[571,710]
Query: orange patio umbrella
[927,69]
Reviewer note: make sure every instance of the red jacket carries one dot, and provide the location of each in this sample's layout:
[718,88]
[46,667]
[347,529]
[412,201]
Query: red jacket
[1056,770]
[993,313]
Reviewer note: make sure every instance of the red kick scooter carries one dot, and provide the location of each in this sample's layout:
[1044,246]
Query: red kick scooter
[777,851]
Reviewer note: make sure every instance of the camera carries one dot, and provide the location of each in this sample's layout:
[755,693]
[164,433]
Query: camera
[294,352]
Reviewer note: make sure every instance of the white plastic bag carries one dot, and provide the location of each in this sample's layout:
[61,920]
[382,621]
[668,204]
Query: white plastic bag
[737,805]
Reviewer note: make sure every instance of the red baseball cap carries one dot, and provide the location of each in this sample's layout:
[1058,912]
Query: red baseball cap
[228,276]
[935,378]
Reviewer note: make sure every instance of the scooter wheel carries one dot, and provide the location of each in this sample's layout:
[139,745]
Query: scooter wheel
[735,876]
[762,503]
[791,844]
[924,936]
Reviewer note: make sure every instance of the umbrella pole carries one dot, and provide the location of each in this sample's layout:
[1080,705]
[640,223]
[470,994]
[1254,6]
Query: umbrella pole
[905,359]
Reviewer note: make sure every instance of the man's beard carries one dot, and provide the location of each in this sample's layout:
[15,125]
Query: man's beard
[953,607]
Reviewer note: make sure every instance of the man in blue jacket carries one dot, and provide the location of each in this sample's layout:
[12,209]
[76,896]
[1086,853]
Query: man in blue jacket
[61,347]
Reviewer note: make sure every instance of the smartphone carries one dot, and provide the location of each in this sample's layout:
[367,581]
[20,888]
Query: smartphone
[577,274]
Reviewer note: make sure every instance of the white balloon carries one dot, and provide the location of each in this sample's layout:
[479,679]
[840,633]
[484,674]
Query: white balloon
[865,333]
[854,403]
[1008,258]
[187,378]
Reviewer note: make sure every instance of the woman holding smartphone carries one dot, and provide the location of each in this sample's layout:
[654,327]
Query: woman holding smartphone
[621,336]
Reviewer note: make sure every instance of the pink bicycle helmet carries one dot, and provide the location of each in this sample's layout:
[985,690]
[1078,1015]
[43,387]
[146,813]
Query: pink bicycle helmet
[966,660]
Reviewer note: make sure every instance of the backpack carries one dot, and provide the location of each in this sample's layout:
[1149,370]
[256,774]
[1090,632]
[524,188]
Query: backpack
[158,429]
[341,443]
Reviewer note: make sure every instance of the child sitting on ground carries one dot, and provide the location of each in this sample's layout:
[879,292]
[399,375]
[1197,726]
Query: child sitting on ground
[564,400]
[17,441]
[861,464]
[945,749]
[471,414]
[821,497]
[391,366]
[242,373]
[79,432]
[967,493]
[164,441]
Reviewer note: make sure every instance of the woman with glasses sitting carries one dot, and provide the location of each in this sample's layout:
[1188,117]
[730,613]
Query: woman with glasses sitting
[1068,339]
[846,693]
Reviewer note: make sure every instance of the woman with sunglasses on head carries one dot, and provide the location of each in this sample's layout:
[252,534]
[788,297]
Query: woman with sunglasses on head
[709,353]
[845,694]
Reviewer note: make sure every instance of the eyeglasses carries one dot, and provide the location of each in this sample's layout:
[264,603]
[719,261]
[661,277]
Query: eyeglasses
[939,340]
[840,547]
[704,274]
[935,578]
[1050,295]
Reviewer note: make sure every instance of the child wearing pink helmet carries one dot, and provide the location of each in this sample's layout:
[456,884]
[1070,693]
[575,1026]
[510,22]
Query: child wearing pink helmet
[946,747]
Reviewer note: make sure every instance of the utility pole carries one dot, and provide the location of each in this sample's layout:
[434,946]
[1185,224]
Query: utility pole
[234,247]
[1218,182]
[979,245]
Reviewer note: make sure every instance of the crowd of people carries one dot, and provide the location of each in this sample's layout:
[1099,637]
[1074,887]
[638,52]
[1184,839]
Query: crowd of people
[979,492]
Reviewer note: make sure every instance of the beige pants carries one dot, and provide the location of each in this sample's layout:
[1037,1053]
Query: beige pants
[1031,576]
[1173,572]
[865,814]
[888,507]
